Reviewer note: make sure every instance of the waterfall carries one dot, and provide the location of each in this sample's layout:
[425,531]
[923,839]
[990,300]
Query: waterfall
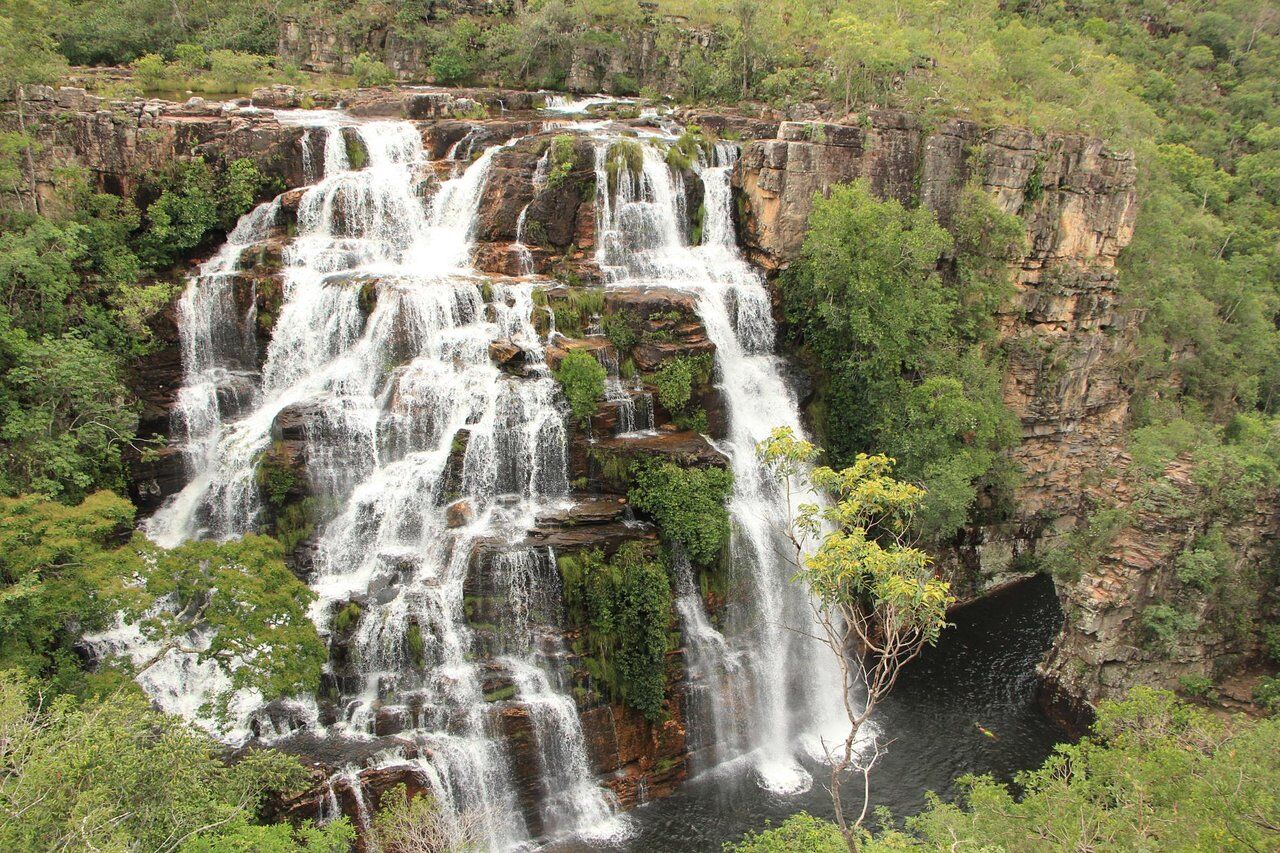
[771,686]
[572,801]
[418,449]
[634,404]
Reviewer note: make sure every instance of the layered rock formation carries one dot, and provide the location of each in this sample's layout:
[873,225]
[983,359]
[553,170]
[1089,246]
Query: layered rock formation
[1067,334]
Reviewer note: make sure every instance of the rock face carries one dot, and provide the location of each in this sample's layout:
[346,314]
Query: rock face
[1079,202]
[615,62]
[118,141]
[1067,336]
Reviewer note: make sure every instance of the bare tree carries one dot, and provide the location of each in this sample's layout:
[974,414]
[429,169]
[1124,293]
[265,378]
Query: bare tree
[417,824]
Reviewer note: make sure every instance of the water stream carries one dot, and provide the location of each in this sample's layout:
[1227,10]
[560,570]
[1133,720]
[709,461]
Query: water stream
[767,686]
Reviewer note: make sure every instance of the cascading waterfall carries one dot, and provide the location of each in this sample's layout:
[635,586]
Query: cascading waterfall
[418,448]
[792,685]
[421,454]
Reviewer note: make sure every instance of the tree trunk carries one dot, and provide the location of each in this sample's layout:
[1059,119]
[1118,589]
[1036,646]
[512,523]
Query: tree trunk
[19,98]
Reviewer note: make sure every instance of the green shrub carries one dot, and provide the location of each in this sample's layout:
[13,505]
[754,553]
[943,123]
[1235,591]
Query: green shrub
[561,160]
[347,618]
[1205,561]
[687,503]
[1197,685]
[676,380]
[1271,641]
[1080,551]
[150,71]
[619,331]
[800,832]
[449,65]
[1267,694]
[684,152]
[371,72]
[904,351]
[1165,624]
[581,377]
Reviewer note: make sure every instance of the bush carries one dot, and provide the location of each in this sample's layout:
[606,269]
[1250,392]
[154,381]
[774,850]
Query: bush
[561,160]
[233,71]
[449,65]
[1164,624]
[371,72]
[687,503]
[581,377]
[800,832]
[150,71]
[1267,694]
[1206,561]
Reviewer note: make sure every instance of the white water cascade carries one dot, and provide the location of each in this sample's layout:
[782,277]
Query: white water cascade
[770,689]
[417,447]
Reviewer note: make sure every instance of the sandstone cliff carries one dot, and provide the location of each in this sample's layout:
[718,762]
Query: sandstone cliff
[1067,334]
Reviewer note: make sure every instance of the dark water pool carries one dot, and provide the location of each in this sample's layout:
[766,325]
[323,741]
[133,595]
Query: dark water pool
[981,674]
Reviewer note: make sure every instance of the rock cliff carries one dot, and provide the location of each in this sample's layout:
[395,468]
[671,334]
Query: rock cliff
[1067,336]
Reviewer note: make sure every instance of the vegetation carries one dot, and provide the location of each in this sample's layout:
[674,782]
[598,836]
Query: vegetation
[675,382]
[416,824]
[68,570]
[687,503]
[1153,774]
[905,351]
[111,774]
[623,605]
[561,160]
[581,377]
[874,588]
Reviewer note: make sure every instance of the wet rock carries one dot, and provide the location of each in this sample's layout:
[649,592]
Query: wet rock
[459,514]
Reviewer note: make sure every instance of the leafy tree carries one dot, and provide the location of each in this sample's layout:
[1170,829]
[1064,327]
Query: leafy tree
[879,603]
[67,416]
[114,775]
[67,570]
[906,357]
[28,56]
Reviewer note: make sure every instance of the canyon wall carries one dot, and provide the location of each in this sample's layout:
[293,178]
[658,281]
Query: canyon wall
[1068,338]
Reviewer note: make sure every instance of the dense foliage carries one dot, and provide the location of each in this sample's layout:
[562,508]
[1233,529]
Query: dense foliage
[1154,774]
[68,570]
[622,606]
[111,774]
[687,503]
[903,347]
[581,377]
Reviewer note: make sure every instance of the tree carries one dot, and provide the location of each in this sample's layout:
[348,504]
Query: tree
[877,601]
[68,570]
[28,55]
[112,774]
[903,341]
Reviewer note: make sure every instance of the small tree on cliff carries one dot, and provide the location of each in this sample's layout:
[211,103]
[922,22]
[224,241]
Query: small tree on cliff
[875,597]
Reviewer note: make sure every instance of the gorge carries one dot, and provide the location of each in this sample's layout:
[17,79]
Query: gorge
[371,368]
